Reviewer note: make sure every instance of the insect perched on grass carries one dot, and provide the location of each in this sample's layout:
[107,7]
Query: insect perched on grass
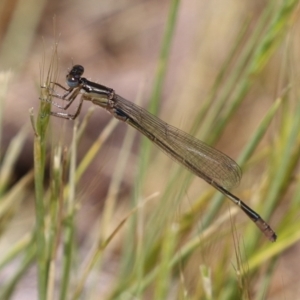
[211,165]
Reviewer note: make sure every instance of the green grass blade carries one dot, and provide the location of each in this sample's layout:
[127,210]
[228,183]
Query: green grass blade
[69,228]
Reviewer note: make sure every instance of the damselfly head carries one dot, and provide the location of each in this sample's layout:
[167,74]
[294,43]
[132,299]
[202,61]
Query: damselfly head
[74,76]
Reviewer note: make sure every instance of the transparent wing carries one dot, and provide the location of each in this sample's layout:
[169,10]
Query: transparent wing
[201,159]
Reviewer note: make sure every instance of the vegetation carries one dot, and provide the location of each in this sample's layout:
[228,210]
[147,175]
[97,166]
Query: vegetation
[165,245]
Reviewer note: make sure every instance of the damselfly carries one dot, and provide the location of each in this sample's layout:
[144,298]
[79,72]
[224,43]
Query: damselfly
[211,165]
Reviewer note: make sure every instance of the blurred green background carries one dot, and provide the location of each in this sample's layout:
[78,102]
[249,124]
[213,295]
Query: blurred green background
[216,73]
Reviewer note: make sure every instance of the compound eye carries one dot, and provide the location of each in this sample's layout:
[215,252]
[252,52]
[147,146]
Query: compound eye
[74,76]
[72,82]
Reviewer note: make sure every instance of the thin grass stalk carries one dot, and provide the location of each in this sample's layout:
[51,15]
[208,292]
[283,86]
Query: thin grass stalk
[16,250]
[12,198]
[55,214]
[164,277]
[69,228]
[5,78]
[39,172]
[14,149]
